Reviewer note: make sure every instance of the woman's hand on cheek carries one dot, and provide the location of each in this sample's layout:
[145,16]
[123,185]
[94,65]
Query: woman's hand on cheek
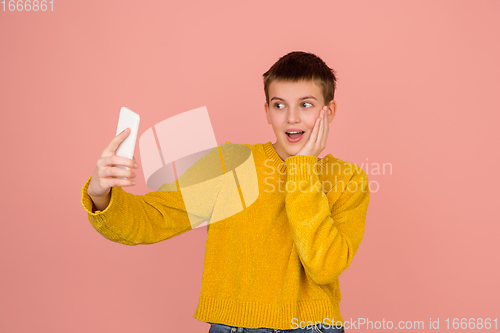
[317,141]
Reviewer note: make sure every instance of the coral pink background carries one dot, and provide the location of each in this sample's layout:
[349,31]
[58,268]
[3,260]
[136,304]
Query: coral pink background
[417,88]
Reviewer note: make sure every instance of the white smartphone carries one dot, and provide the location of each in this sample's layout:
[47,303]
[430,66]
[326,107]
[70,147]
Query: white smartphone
[127,119]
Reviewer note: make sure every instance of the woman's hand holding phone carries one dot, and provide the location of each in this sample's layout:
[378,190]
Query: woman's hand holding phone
[106,172]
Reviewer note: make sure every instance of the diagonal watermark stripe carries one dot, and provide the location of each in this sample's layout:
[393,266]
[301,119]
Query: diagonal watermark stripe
[181,153]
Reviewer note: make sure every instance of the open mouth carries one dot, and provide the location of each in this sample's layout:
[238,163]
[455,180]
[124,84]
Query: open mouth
[295,134]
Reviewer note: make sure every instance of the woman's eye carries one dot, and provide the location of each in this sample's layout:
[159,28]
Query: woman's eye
[305,104]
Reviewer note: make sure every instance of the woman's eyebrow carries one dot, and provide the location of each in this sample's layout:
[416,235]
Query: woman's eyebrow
[302,98]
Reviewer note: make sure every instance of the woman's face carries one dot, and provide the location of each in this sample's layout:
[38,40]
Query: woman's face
[294,106]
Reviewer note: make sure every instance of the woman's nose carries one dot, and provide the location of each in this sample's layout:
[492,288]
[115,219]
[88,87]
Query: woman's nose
[293,116]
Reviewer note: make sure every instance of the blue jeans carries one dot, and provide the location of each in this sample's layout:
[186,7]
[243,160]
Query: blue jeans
[221,328]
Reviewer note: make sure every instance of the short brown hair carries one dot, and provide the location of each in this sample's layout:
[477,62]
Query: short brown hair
[297,66]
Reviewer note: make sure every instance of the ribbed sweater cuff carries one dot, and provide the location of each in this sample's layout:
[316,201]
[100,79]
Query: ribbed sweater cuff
[255,314]
[87,203]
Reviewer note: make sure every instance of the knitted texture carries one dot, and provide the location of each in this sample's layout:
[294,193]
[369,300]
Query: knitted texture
[273,264]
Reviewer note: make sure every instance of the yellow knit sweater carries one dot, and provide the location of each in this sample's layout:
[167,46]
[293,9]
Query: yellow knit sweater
[275,263]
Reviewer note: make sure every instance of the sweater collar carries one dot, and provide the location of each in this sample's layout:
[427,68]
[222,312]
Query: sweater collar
[278,162]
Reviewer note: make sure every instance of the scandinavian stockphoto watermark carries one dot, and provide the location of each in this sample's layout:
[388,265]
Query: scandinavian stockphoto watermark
[433,324]
[312,177]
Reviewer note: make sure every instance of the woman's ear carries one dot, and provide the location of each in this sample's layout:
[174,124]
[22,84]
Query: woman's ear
[332,108]
[267,113]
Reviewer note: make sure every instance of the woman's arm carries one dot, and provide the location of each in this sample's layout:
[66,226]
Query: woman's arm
[140,219]
[144,219]
[327,229]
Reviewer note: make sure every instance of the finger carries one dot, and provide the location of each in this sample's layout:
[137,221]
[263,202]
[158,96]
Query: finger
[320,126]
[131,183]
[321,129]
[114,182]
[115,142]
[327,128]
[314,133]
[113,160]
[115,172]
